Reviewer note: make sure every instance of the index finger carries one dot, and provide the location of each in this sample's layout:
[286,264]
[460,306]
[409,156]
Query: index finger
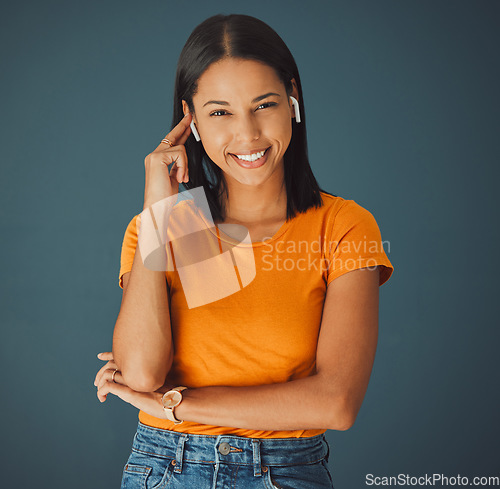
[106,356]
[180,133]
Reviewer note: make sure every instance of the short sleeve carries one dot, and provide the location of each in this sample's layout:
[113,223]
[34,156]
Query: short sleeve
[129,245]
[354,241]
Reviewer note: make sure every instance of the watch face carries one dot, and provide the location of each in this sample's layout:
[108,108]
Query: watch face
[171,399]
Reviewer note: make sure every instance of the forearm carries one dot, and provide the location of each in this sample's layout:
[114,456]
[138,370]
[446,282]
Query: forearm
[142,337]
[306,403]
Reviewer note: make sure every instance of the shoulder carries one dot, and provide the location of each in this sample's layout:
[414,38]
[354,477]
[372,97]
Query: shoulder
[334,213]
[339,210]
[349,222]
[354,240]
[331,203]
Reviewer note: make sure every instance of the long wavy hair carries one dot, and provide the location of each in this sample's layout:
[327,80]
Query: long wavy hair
[245,37]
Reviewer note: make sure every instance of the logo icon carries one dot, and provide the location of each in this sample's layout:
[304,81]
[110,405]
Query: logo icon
[213,262]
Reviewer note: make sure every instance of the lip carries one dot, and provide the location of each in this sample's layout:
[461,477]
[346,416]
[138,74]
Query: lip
[251,164]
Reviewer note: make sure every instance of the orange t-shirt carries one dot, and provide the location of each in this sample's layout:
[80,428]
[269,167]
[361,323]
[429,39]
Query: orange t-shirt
[267,330]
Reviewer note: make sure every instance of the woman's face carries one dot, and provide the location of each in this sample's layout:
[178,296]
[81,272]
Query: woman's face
[241,108]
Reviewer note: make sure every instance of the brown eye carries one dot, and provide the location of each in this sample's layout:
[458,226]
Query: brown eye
[268,104]
[215,112]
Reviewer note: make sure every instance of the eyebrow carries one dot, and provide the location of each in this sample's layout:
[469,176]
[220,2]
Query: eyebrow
[256,99]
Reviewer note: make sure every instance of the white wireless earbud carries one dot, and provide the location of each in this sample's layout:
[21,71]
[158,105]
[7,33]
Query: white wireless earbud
[296,107]
[195,132]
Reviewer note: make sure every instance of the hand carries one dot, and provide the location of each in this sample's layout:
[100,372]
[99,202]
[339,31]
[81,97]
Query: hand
[149,402]
[161,184]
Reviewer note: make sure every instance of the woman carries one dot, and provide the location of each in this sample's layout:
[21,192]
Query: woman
[240,360]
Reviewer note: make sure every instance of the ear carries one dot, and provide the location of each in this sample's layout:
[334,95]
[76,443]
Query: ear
[185,109]
[294,94]
[295,91]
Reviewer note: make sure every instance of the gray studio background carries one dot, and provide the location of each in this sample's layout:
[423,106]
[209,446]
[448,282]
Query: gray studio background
[402,108]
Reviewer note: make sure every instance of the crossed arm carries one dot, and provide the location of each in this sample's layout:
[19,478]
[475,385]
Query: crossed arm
[329,399]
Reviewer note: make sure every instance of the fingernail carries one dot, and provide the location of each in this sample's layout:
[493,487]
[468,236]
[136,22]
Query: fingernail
[98,355]
[186,114]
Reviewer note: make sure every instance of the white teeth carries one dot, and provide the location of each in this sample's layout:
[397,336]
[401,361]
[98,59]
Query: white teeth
[253,157]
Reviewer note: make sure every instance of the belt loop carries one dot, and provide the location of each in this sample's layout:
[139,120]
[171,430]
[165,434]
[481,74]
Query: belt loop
[256,457]
[179,454]
[327,448]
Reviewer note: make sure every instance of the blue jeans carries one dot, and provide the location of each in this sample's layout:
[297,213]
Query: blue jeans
[170,460]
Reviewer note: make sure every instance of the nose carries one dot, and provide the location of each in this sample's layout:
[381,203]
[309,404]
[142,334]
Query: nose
[246,128]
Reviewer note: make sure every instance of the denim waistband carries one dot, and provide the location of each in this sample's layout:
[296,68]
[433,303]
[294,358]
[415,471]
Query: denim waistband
[230,449]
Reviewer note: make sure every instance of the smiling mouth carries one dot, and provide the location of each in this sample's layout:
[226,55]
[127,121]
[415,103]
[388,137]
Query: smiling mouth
[252,163]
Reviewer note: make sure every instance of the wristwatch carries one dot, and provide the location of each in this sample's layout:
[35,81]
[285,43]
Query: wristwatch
[171,399]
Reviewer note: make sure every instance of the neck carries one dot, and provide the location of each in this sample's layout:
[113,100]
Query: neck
[249,204]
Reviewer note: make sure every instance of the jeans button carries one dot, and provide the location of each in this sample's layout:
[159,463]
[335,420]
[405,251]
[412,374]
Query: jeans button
[224,448]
